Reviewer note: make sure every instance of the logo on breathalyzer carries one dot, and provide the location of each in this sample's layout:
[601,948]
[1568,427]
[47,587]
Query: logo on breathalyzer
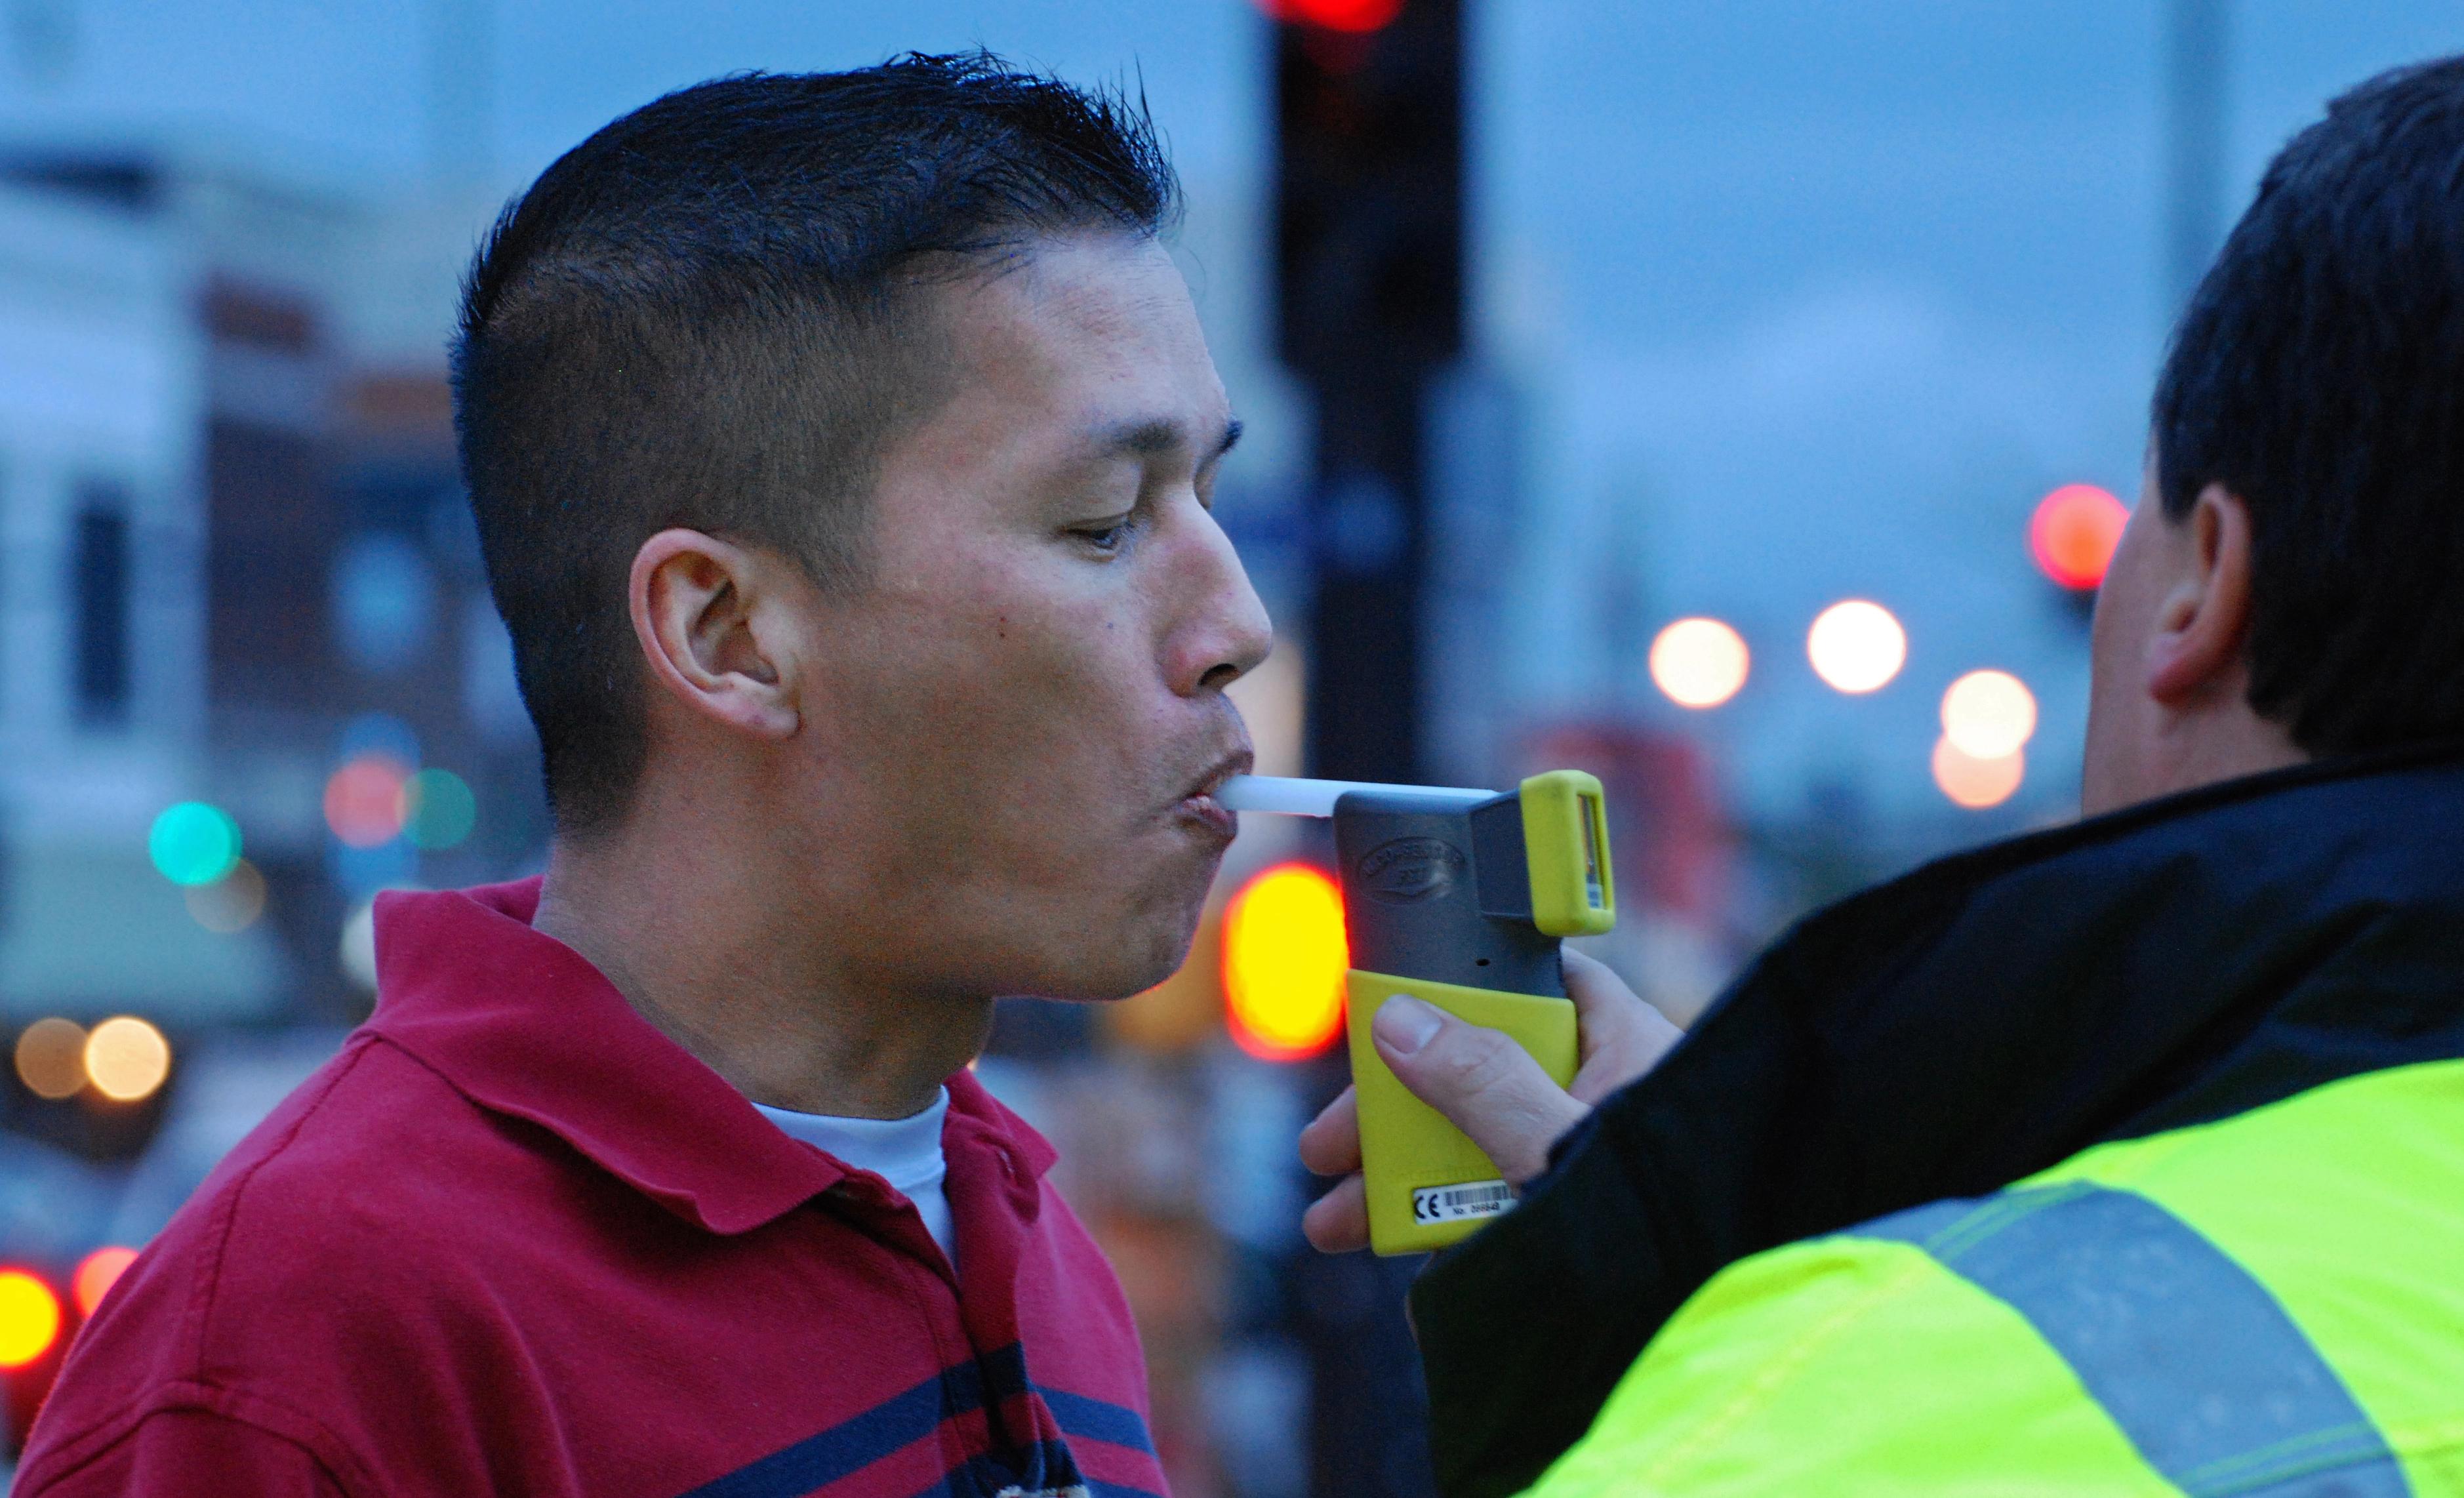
[1410,869]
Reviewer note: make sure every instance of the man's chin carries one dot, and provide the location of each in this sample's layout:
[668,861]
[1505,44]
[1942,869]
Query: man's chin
[1140,959]
[1112,987]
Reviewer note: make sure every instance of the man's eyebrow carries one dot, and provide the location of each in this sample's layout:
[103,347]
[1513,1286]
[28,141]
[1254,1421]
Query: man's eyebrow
[1162,434]
[1147,438]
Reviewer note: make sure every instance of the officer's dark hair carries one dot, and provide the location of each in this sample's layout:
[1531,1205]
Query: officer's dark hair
[714,313]
[2318,374]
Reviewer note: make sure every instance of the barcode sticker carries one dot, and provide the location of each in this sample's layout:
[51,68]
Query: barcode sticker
[1472,1200]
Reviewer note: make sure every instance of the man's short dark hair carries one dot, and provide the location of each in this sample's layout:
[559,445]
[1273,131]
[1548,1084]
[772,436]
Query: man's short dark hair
[2318,374]
[711,314]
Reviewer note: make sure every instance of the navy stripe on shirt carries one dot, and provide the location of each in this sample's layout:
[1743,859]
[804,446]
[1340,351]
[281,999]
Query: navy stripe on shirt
[983,1477]
[844,1448]
[1098,1419]
[913,1414]
[1078,1414]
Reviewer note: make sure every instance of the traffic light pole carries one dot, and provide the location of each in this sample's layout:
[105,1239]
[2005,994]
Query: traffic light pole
[2196,34]
[1370,262]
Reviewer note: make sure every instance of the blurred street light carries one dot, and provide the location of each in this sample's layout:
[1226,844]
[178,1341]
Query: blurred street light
[30,1318]
[126,1059]
[1977,782]
[1699,663]
[1855,646]
[193,844]
[1987,715]
[96,1275]
[1285,955]
[230,904]
[438,808]
[364,801]
[50,1058]
[2073,533]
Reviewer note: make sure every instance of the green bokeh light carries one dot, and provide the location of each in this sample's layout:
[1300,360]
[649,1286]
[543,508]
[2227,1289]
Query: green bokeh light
[194,844]
[440,809]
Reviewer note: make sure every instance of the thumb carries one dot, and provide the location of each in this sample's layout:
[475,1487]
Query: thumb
[1479,1079]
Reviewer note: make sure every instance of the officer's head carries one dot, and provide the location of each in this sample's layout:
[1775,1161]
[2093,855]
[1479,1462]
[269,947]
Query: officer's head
[843,449]
[2292,584]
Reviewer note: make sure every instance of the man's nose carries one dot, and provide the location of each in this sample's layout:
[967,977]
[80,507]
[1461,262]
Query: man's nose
[1222,632]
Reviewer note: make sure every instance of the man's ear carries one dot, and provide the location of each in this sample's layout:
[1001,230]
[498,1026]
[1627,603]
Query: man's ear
[713,632]
[2205,619]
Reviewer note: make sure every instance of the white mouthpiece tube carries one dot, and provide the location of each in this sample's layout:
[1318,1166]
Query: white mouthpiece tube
[1295,798]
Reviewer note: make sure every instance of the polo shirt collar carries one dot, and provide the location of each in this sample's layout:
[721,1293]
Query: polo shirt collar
[525,1027]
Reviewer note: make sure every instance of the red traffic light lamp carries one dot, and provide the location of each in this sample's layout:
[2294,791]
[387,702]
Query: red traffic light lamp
[2073,534]
[1357,17]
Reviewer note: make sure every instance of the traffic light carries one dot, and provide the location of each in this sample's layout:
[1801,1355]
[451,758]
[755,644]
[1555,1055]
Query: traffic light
[32,1323]
[39,1316]
[1369,261]
[1285,957]
[1347,17]
[2073,534]
[30,1318]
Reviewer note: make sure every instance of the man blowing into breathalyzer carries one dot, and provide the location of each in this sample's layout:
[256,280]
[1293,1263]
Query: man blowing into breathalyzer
[2126,1157]
[843,449]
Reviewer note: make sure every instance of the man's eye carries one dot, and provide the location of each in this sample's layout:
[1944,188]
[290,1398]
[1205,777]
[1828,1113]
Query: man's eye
[1107,538]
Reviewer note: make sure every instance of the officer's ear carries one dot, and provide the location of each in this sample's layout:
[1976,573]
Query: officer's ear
[2204,621]
[711,618]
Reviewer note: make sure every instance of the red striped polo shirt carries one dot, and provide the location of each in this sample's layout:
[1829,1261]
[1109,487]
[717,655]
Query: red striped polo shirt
[513,1239]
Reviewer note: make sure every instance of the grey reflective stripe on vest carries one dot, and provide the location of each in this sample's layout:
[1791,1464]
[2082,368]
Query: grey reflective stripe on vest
[2191,1356]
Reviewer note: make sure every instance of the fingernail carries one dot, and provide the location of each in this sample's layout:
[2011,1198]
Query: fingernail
[1406,1023]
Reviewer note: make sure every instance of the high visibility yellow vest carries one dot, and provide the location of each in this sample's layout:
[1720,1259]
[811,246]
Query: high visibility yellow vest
[2270,1305]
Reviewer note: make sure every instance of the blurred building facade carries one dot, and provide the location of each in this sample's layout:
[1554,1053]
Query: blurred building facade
[247,563]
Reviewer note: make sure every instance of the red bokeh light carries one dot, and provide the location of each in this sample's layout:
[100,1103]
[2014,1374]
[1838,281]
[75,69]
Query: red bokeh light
[364,801]
[1356,16]
[97,1273]
[2073,534]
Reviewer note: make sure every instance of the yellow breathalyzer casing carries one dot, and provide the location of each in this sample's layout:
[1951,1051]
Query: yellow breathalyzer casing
[1460,899]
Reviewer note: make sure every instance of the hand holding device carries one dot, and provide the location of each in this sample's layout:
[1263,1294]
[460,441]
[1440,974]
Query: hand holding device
[1454,903]
[1490,1089]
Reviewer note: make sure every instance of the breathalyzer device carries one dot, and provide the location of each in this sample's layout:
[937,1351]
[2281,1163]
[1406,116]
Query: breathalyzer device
[1458,898]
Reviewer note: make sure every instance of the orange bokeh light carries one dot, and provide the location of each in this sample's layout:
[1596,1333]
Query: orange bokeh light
[1285,957]
[364,801]
[30,1318]
[97,1273]
[2073,534]
[1974,782]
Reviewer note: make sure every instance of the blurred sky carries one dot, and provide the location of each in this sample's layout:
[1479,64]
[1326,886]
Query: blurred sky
[1805,300]
[342,85]
[1819,299]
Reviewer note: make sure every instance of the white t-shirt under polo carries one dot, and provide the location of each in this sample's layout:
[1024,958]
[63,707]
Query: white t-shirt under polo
[904,1152]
